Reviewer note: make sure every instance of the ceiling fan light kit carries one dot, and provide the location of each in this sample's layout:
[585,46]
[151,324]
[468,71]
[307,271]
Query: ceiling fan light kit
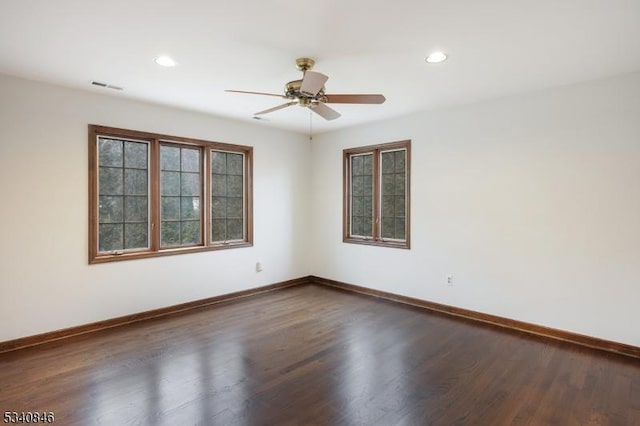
[309,92]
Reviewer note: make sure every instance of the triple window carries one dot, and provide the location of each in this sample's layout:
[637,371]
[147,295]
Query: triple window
[154,195]
[376,194]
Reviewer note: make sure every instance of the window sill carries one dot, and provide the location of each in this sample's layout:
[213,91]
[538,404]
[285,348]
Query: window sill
[105,258]
[380,243]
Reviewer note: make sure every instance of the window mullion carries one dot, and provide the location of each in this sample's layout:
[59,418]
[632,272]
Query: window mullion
[155,195]
[248,198]
[206,197]
[376,195]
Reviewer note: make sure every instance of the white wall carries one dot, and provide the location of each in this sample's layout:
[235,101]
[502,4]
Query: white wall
[532,203]
[45,281]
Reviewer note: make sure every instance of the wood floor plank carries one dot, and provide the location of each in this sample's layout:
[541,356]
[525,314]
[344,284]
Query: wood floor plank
[315,355]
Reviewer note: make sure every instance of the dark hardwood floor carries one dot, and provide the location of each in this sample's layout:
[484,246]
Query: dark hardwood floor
[315,355]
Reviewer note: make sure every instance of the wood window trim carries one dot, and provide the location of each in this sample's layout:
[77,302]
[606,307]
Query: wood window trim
[346,209]
[155,140]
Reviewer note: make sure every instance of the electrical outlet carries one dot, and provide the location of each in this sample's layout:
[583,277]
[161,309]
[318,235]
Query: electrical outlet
[258,266]
[450,280]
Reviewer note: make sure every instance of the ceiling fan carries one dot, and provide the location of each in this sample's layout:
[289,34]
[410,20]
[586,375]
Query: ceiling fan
[309,93]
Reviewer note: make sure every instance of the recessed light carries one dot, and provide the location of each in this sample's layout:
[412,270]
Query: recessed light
[165,61]
[436,57]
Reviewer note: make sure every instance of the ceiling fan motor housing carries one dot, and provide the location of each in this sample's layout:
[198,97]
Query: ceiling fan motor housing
[292,88]
[292,91]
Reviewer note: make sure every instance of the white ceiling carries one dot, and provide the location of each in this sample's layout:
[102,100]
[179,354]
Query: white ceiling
[496,48]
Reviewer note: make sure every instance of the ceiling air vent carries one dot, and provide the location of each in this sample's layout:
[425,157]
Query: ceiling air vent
[106,86]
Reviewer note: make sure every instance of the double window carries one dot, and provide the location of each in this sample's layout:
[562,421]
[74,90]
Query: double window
[153,195]
[376,194]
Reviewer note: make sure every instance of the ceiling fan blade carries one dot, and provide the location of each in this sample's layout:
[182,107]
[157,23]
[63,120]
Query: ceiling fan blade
[324,111]
[255,93]
[312,82]
[267,111]
[355,99]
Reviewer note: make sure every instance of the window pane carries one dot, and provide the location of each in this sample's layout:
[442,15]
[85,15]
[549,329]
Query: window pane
[219,162]
[218,230]
[388,227]
[190,232]
[368,165]
[135,155]
[357,206]
[110,237]
[400,184]
[135,182]
[227,203]
[393,192]
[219,207]
[135,209]
[234,164]
[399,161]
[234,186]
[388,183]
[170,158]
[219,185]
[170,183]
[181,189]
[135,235]
[357,186]
[399,206]
[367,226]
[110,153]
[368,207]
[367,182]
[356,225]
[190,184]
[190,160]
[190,208]
[111,180]
[387,162]
[234,208]
[400,229]
[111,209]
[123,170]
[388,204]
[170,234]
[234,229]
[170,209]
[356,165]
